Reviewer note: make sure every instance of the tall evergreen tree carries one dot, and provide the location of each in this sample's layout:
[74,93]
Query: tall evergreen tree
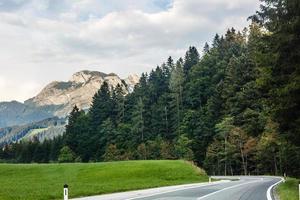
[191,58]
[206,48]
[77,134]
[102,106]
[176,87]
[138,119]
[118,99]
[281,18]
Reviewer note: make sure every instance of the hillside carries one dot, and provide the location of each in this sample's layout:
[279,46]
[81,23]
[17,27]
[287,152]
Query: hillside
[79,91]
[59,97]
[16,113]
[56,100]
[45,129]
[43,182]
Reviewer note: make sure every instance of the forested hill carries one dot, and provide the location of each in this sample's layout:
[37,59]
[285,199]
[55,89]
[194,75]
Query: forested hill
[234,110]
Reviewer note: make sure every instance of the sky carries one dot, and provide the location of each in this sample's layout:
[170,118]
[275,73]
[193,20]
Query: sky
[46,40]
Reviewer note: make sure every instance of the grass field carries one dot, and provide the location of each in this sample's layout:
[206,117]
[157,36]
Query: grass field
[45,181]
[289,189]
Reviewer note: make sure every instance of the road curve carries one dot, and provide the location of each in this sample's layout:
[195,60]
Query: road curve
[243,188]
[247,188]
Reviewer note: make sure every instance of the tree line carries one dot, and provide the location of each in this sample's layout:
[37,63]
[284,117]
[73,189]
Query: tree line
[234,110]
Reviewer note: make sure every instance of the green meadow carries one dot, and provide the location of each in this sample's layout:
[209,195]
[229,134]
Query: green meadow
[289,189]
[45,181]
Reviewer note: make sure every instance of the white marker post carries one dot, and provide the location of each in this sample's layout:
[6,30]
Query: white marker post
[299,191]
[209,180]
[66,192]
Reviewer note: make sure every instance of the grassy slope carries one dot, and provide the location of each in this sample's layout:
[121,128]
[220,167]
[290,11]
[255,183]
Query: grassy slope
[289,189]
[45,181]
[34,132]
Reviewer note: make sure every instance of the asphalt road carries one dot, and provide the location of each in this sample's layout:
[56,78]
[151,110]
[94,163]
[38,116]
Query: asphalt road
[247,188]
[242,188]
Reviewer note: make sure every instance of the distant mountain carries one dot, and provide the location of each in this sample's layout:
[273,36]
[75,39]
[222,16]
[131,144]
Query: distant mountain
[13,113]
[45,129]
[56,100]
[79,90]
[59,97]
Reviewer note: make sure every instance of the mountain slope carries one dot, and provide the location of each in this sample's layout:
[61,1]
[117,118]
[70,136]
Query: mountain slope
[13,113]
[59,97]
[45,129]
[36,116]
[79,90]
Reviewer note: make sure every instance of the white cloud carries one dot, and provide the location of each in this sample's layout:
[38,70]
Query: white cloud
[45,40]
[10,90]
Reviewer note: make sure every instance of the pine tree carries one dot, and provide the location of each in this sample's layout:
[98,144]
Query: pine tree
[206,48]
[170,63]
[176,87]
[138,119]
[73,116]
[216,41]
[118,99]
[71,128]
[102,106]
[281,19]
[191,58]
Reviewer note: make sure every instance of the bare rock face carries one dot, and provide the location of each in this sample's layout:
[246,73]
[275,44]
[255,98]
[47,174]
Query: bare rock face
[131,81]
[79,90]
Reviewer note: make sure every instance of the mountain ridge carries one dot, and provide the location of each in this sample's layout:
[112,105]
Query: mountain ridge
[57,99]
[78,90]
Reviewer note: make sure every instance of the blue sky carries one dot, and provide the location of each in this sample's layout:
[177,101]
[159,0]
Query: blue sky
[46,40]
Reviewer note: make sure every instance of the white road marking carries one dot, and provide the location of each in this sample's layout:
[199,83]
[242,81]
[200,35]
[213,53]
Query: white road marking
[155,194]
[134,195]
[234,186]
[269,197]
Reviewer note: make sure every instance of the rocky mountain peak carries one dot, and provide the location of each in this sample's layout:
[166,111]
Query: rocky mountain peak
[133,78]
[79,90]
[57,99]
[85,76]
[131,81]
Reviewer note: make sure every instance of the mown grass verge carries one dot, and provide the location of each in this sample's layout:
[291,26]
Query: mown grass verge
[45,181]
[288,190]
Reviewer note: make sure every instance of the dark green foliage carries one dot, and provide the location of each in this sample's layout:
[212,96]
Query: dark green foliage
[118,98]
[102,106]
[66,155]
[191,58]
[282,18]
[138,119]
[78,134]
[33,151]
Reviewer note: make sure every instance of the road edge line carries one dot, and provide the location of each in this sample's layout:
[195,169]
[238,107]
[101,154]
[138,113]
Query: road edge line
[269,196]
[178,189]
